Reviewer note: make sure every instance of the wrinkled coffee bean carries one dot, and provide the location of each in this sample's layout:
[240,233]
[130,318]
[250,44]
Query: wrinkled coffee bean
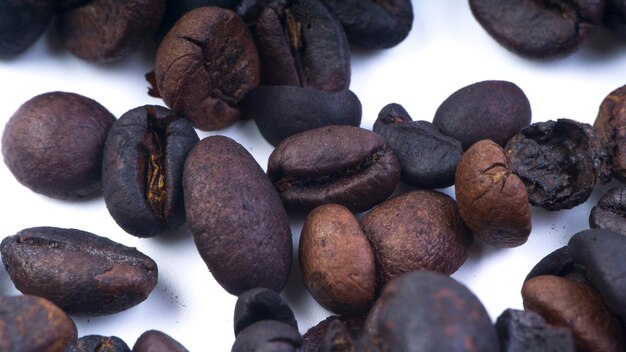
[282,111]
[495,110]
[98,343]
[343,165]
[336,261]
[205,65]
[142,170]
[522,331]
[610,126]
[29,323]
[157,341]
[268,336]
[238,223]
[82,273]
[558,162]
[175,9]
[53,144]
[108,30]
[427,158]
[538,29]
[559,263]
[615,16]
[313,339]
[562,302]
[419,230]
[261,304]
[21,24]
[493,201]
[610,212]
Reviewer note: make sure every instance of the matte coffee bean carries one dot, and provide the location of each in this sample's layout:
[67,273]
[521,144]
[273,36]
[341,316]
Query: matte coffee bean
[493,201]
[21,24]
[343,165]
[559,263]
[30,323]
[142,170]
[562,302]
[427,158]
[538,29]
[108,30]
[82,273]
[336,261]
[157,341]
[282,111]
[205,65]
[337,338]
[610,212]
[261,304]
[419,230]
[238,223]
[268,336]
[559,162]
[610,126]
[53,144]
[175,9]
[525,330]
[313,339]
[495,110]
[98,343]
[615,16]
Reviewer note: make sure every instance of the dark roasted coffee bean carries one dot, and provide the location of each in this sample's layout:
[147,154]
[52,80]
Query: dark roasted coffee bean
[559,263]
[615,16]
[21,23]
[53,144]
[610,212]
[142,170]
[205,65]
[419,230]
[107,30]
[343,165]
[268,336]
[98,343]
[337,339]
[495,110]
[313,339]
[558,162]
[282,111]
[261,304]
[562,302]
[522,331]
[238,223]
[175,9]
[610,126]
[82,273]
[493,201]
[29,323]
[539,29]
[157,341]
[427,158]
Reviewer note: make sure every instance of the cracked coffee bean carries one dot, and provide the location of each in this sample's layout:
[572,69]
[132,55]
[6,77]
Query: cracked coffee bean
[558,162]
[313,339]
[343,165]
[610,212]
[238,223]
[157,341]
[522,331]
[205,65]
[282,111]
[30,323]
[98,343]
[493,201]
[268,336]
[260,304]
[53,144]
[610,126]
[21,24]
[142,170]
[82,273]
[427,158]
[539,29]
[494,110]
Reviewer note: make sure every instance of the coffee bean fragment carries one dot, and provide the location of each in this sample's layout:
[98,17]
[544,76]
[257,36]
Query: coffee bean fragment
[261,304]
[610,212]
[99,343]
[157,341]
[610,126]
[268,336]
[21,24]
[525,330]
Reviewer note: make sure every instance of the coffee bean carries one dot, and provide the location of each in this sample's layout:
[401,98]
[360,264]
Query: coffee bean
[53,144]
[419,230]
[610,126]
[427,158]
[261,304]
[610,212]
[157,341]
[235,215]
[615,16]
[495,110]
[313,339]
[344,165]
[538,29]
[282,111]
[82,273]
[493,201]
[98,343]
[205,65]
[175,9]
[525,330]
[142,170]
[268,336]
[558,162]
[336,261]
[559,263]
[30,323]
[337,338]
[21,24]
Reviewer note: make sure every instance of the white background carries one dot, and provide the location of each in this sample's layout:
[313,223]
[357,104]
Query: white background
[446,50]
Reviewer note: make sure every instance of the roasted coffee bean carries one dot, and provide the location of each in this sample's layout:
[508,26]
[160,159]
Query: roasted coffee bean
[282,111]
[493,201]
[238,223]
[205,65]
[336,261]
[53,144]
[610,126]
[538,29]
[157,341]
[343,165]
[562,302]
[142,170]
[108,30]
[610,212]
[558,162]
[29,323]
[337,338]
[268,336]
[313,339]
[419,230]
[98,343]
[175,9]
[427,158]
[261,304]
[82,273]
[495,110]
[615,16]
[525,330]
[21,23]
[559,263]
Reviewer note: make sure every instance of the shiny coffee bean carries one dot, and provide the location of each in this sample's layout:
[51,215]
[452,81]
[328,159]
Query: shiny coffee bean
[610,126]
[21,24]
[268,336]
[98,343]
[610,212]
[260,304]
[157,341]
[525,330]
